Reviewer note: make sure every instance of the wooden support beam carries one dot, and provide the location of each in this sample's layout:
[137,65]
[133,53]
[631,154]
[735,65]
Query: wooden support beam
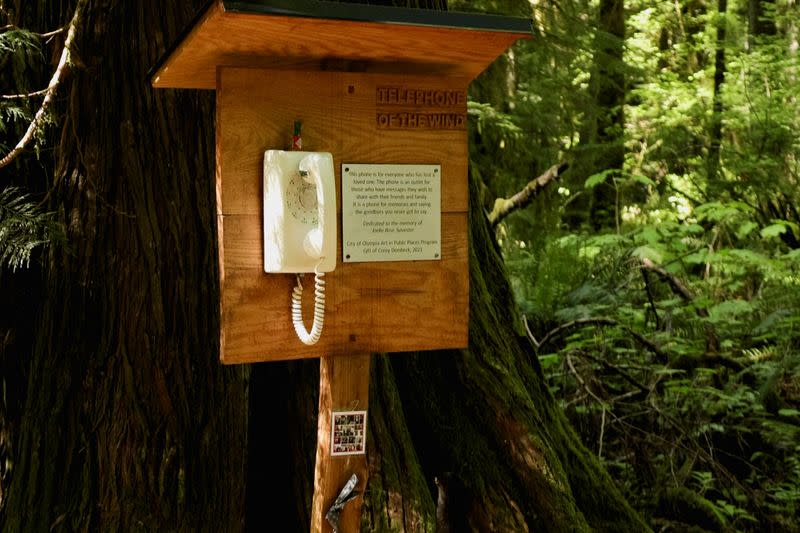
[343,386]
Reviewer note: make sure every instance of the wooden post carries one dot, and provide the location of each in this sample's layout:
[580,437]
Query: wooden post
[343,386]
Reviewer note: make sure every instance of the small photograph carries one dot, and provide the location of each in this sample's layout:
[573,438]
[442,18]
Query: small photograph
[348,430]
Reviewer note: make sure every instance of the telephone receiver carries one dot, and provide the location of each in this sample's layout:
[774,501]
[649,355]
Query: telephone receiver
[300,225]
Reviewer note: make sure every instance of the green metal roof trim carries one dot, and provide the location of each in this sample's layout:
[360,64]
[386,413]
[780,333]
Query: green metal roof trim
[380,14]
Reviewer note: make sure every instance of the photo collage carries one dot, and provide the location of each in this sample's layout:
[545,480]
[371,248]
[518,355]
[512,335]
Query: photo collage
[348,432]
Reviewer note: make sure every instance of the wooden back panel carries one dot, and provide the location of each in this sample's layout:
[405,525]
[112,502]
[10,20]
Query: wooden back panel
[370,307]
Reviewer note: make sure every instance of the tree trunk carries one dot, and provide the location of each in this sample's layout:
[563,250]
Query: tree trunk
[715,133]
[602,143]
[130,423]
[760,18]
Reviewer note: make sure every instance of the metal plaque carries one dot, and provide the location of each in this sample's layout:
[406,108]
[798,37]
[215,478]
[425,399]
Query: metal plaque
[391,212]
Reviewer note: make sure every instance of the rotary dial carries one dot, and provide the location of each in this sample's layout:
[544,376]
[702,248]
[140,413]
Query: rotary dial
[303,200]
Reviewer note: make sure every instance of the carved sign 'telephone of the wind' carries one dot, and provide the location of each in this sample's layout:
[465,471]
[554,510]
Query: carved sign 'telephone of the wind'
[401,108]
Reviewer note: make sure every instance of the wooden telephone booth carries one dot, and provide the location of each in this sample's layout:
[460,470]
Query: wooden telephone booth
[384,91]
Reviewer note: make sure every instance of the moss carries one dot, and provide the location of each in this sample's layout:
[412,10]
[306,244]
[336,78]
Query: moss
[397,497]
[683,505]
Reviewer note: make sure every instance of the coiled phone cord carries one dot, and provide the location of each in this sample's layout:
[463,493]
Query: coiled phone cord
[305,336]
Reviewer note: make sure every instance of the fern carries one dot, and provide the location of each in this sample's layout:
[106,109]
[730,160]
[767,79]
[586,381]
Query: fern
[10,113]
[23,228]
[18,39]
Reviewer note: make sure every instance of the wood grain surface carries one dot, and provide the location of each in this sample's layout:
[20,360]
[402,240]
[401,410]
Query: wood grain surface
[272,41]
[257,109]
[343,386]
[370,307]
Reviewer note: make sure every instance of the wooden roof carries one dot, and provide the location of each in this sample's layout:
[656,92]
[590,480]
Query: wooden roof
[314,34]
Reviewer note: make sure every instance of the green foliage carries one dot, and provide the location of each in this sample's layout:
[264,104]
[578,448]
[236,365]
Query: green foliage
[695,436]
[16,39]
[21,45]
[21,61]
[19,49]
[23,228]
[689,392]
[11,113]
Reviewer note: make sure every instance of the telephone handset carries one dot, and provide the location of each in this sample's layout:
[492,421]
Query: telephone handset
[300,225]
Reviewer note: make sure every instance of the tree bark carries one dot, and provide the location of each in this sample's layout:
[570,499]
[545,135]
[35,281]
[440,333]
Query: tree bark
[505,206]
[602,132]
[130,423]
[715,132]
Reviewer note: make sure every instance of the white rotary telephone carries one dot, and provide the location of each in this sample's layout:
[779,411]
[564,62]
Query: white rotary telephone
[300,225]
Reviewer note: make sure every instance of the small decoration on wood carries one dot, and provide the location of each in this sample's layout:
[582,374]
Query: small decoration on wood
[349,432]
[297,139]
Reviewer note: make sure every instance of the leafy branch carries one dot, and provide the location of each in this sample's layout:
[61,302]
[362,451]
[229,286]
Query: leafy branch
[680,289]
[23,228]
[600,321]
[46,35]
[40,119]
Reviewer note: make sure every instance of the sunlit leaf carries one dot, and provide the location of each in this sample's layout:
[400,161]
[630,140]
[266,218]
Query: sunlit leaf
[596,179]
[745,229]
[644,180]
[648,252]
[773,230]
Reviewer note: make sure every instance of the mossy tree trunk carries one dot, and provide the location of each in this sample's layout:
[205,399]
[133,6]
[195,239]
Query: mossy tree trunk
[129,423]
